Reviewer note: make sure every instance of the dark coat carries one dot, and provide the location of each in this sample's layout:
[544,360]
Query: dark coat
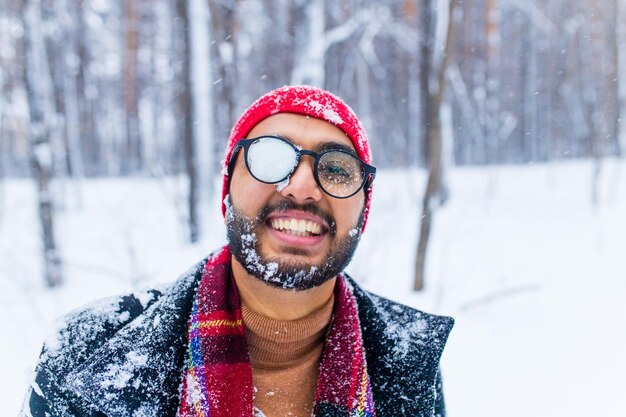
[123,357]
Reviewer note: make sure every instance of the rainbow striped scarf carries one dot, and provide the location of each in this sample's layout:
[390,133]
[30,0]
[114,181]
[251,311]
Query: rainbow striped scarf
[217,380]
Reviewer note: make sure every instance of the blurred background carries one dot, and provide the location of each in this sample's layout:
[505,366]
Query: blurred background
[495,125]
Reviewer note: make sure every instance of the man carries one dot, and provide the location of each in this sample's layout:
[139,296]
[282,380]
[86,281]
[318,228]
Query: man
[269,325]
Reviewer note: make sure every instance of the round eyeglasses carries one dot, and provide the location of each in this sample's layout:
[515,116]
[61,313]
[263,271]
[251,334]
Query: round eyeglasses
[272,159]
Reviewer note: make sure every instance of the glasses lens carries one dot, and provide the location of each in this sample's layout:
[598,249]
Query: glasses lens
[340,174]
[271,159]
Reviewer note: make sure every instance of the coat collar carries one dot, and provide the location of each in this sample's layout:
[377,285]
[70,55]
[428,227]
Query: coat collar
[137,372]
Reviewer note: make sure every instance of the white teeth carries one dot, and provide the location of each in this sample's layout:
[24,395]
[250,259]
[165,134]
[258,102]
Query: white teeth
[297,227]
[314,228]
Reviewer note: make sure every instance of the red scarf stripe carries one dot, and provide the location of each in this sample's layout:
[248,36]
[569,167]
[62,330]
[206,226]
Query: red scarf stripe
[340,384]
[225,380]
[357,362]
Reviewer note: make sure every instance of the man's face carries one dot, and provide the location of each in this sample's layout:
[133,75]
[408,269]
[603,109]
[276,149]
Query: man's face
[265,221]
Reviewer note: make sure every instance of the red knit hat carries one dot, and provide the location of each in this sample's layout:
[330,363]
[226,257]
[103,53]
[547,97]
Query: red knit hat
[308,101]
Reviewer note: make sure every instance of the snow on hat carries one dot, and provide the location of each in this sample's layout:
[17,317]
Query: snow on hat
[308,101]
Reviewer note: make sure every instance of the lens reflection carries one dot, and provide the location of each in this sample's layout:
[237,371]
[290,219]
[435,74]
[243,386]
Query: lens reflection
[339,173]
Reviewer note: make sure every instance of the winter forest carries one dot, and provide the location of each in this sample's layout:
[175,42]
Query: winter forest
[496,127]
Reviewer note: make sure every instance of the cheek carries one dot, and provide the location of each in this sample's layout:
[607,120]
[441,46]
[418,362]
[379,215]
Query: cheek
[246,192]
[347,212]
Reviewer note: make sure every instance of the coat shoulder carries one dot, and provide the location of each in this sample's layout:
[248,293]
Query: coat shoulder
[400,323]
[74,338]
[78,334]
[86,334]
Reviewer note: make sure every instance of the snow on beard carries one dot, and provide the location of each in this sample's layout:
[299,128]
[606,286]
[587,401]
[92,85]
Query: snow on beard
[242,234]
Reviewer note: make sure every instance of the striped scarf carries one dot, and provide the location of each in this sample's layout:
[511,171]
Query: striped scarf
[217,379]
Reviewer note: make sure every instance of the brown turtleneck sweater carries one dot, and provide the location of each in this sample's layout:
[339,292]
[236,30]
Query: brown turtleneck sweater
[285,357]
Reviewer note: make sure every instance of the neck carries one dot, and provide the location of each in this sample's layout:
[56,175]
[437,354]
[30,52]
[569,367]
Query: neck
[277,303]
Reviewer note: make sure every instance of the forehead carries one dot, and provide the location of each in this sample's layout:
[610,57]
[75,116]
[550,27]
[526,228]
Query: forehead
[307,132]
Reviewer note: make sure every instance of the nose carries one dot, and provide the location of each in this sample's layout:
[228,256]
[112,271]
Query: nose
[302,187]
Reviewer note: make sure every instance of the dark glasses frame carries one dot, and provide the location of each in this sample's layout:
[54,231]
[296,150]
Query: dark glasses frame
[369,172]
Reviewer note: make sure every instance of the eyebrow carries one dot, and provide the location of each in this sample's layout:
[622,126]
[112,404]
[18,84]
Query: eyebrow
[335,145]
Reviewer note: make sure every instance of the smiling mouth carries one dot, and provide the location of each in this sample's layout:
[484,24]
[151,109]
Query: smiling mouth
[295,227]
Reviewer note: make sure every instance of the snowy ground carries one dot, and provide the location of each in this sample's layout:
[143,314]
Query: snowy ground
[533,273]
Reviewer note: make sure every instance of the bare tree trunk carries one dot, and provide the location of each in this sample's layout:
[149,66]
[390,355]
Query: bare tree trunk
[187,112]
[89,147]
[435,97]
[196,109]
[614,99]
[223,27]
[72,115]
[38,90]
[427,41]
[593,101]
[492,66]
[620,43]
[133,148]
[199,16]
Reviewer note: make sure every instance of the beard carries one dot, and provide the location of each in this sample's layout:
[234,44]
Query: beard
[242,233]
